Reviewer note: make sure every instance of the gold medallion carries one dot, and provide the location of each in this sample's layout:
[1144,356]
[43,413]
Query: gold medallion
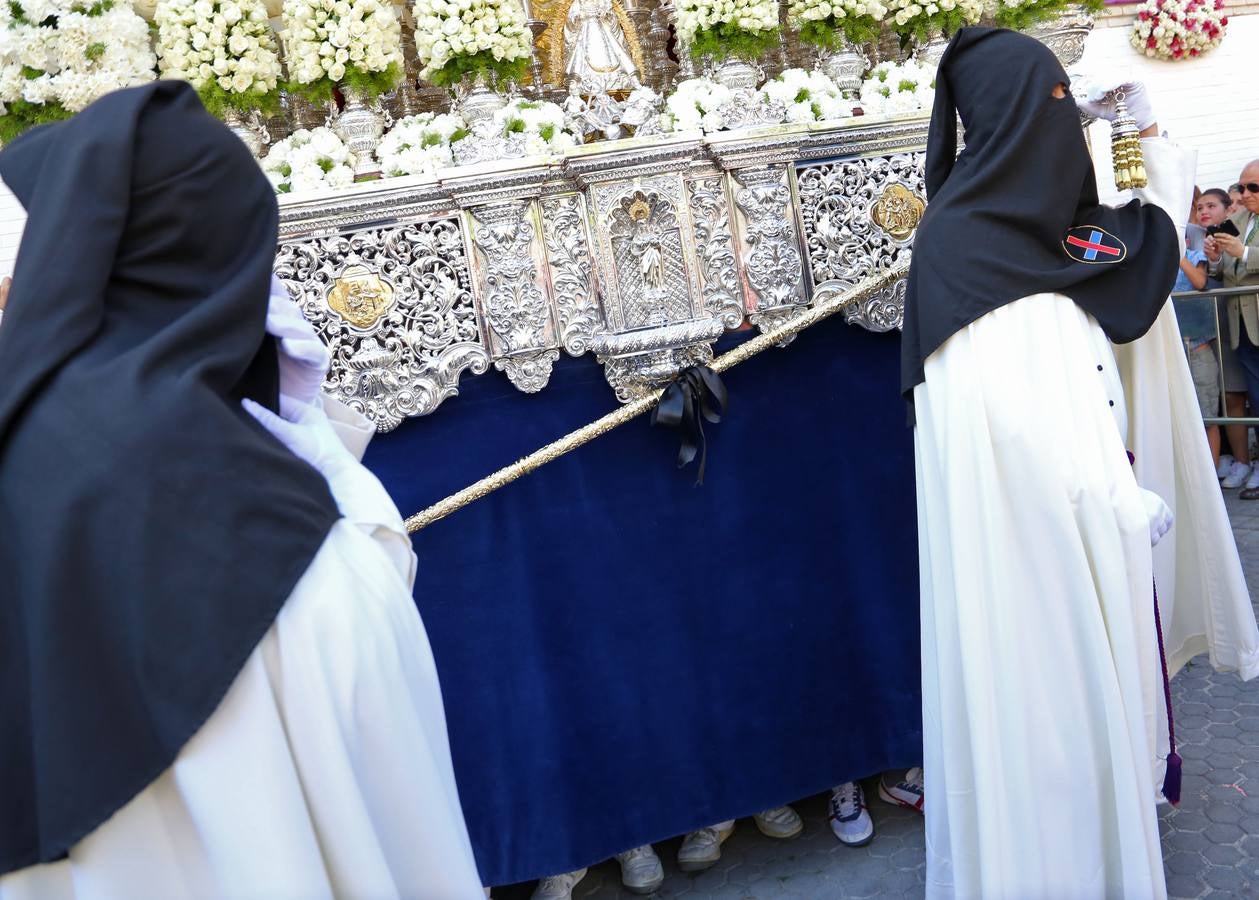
[898,211]
[360,296]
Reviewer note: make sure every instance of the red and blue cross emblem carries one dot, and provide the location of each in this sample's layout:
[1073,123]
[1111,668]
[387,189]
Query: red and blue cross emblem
[1091,244]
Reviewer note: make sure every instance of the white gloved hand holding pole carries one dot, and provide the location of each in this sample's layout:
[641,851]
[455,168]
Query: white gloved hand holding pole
[1096,97]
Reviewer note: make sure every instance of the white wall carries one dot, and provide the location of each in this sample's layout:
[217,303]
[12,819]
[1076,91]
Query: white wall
[1210,103]
[12,218]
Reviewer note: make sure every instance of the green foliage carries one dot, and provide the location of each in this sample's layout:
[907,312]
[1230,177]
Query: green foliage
[728,40]
[100,7]
[482,63]
[220,102]
[95,51]
[23,115]
[832,34]
[1020,18]
[370,84]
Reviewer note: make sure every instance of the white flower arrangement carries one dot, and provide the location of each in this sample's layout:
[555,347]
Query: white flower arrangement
[697,103]
[920,18]
[1179,29]
[349,43]
[223,48]
[420,145]
[540,126]
[827,23]
[722,28]
[807,96]
[898,90]
[458,37]
[308,160]
[57,56]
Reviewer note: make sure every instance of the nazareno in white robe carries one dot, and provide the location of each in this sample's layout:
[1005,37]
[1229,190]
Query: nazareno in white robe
[1202,589]
[1041,679]
[325,772]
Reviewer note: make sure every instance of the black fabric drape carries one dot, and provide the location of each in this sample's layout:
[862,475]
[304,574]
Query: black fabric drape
[151,529]
[1013,215]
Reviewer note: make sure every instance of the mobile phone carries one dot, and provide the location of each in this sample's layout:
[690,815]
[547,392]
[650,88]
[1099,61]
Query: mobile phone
[1225,227]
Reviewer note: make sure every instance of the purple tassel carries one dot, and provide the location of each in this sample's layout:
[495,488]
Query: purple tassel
[1171,784]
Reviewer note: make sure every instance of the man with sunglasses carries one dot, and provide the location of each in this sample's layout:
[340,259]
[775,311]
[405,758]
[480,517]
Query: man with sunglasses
[1235,258]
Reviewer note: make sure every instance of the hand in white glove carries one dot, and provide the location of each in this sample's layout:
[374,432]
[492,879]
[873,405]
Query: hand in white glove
[1097,99]
[308,434]
[1160,516]
[303,357]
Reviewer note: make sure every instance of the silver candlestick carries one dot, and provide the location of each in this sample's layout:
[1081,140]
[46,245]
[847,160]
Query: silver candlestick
[536,27]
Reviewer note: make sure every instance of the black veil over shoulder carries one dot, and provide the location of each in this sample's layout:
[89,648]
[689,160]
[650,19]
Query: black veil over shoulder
[1017,213]
[151,529]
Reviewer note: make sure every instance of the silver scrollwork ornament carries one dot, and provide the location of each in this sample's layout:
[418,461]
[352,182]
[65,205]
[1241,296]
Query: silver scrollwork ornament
[514,306]
[772,260]
[394,305]
[859,217]
[572,274]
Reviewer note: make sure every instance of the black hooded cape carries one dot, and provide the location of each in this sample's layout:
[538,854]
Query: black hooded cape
[151,528]
[1017,213]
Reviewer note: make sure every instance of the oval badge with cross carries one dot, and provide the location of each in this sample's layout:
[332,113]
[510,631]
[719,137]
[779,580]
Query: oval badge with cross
[1091,244]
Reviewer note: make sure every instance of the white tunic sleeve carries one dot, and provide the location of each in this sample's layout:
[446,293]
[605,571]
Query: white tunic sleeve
[353,428]
[360,496]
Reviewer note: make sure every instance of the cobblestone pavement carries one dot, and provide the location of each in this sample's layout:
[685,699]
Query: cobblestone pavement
[1210,844]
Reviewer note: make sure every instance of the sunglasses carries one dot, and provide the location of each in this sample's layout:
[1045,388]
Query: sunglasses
[1250,186]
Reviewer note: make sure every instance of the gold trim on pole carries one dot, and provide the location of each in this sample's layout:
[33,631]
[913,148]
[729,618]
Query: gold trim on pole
[574,439]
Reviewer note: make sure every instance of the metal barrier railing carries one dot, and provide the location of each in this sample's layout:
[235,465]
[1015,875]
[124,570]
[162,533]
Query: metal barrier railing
[1221,335]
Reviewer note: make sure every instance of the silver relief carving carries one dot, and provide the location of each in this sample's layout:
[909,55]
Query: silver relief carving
[657,321]
[710,217]
[407,328]
[845,243]
[771,259]
[569,260]
[514,307]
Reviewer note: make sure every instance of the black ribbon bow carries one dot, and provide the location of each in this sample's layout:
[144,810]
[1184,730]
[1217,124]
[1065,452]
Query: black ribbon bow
[697,392]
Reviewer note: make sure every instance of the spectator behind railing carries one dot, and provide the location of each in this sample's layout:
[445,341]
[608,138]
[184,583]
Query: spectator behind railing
[1198,330]
[1235,256]
[1233,465]
[1235,199]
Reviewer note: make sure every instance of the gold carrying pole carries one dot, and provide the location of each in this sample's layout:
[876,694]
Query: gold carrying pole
[863,290]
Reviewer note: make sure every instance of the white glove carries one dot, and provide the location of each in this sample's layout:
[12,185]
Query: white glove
[308,434]
[1160,516]
[1096,97]
[303,357]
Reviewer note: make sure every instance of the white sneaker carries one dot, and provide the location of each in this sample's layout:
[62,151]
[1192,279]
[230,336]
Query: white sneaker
[781,823]
[850,820]
[701,849]
[641,870]
[1226,463]
[1238,473]
[906,792]
[1253,480]
[558,887]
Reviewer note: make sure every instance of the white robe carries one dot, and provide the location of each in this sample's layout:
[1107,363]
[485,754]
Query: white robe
[325,772]
[1041,679]
[1202,590]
